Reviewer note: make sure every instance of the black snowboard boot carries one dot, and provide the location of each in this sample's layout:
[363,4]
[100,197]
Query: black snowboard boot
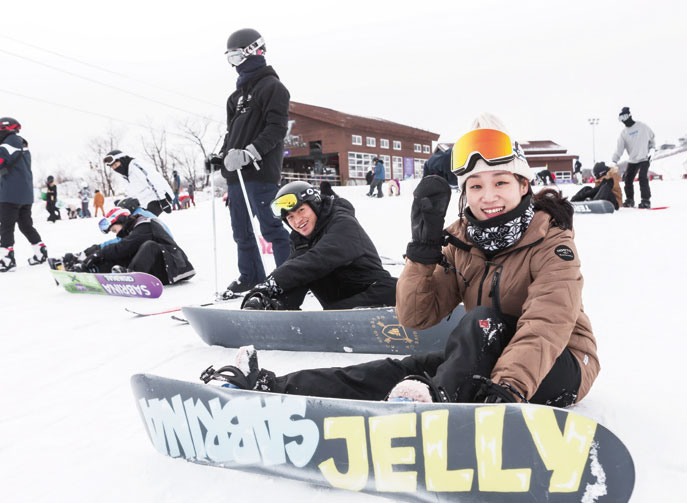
[237,286]
[40,254]
[244,374]
[646,204]
[7,262]
[629,203]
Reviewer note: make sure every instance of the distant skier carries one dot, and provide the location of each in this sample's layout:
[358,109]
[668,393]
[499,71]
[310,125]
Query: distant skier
[51,200]
[176,187]
[99,202]
[511,260]
[144,183]
[85,195]
[545,177]
[577,172]
[16,196]
[144,246]
[378,178]
[638,140]
[331,254]
[606,187]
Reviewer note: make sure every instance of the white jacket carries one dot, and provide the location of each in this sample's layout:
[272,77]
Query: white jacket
[637,140]
[146,184]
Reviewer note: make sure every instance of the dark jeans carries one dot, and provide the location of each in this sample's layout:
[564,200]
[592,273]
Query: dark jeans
[644,190]
[378,294]
[11,214]
[85,212]
[603,192]
[53,212]
[175,202]
[376,183]
[472,348]
[260,195]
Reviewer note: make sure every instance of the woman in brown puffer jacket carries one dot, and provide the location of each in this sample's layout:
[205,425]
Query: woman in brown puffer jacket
[511,259]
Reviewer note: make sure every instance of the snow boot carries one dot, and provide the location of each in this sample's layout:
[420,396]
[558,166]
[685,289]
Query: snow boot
[244,374]
[119,269]
[416,388]
[645,204]
[237,286]
[40,254]
[7,262]
[629,203]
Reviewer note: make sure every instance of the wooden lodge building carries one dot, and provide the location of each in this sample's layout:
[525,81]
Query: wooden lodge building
[324,144]
[546,154]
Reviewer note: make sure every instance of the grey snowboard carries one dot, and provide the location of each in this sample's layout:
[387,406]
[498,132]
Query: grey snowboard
[601,206]
[420,452]
[372,330]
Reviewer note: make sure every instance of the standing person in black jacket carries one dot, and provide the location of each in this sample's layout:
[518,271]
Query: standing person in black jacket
[144,246]
[51,200]
[257,120]
[331,254]
[16,196]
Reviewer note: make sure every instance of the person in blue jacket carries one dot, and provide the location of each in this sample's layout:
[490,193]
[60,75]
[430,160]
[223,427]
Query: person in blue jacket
[16,196]
[378,179]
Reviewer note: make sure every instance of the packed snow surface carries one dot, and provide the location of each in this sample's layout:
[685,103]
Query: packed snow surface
[70,430]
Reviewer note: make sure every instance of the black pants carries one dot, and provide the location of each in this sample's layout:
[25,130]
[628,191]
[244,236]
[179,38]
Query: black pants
[157,207]
[472,348]
[11,214]
[644,190]
[53,212]
[148,259]
[380,293]
[603,192]
[376,183]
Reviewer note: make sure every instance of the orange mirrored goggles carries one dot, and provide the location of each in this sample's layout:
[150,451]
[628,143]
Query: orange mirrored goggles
[492,146]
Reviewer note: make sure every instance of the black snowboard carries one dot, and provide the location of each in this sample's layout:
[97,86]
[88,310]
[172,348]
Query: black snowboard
[373,330]
[427,452]
[600,206]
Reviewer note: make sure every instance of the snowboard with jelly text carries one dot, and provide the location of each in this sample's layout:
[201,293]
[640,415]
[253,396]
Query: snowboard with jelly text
[408,451]
[130,284]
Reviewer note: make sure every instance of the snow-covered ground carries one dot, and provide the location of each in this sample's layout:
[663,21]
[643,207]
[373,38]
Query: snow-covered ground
[70,431]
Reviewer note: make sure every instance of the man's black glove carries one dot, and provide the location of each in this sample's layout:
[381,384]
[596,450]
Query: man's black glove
[490,392]
[91,250]
[430,202]
[264,296]
[213,162]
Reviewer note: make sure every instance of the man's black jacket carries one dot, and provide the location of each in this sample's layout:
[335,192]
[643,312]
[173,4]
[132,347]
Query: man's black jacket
[258,114]
[136,231]
[338,259]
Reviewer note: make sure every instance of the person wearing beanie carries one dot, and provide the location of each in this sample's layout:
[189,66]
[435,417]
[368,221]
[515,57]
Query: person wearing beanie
[638,140]
[378,178]
[257,122]
[142,182]
[606,186]
[331,255]
[143,246]
[510,258]
[16,196]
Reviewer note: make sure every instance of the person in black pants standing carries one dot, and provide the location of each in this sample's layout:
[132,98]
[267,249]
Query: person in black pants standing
[257,121]
[16,196]
[51,200]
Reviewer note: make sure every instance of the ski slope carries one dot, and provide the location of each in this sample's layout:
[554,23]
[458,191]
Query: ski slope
[70,430]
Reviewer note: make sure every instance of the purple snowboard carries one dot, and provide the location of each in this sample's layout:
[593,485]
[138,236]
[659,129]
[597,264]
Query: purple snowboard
[130,284]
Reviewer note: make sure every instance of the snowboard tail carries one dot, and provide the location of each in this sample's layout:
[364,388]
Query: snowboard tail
[367,330]
[131,284]
[600,206]
[408,451]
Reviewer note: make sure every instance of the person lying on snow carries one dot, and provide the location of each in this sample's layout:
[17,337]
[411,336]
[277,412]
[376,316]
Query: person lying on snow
[143,246]
[331,255]
[511,259]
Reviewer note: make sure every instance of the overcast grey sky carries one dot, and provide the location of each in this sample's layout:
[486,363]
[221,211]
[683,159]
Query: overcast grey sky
[544,67]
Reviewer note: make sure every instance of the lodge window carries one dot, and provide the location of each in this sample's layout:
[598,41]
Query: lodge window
[425,149]
[371,142]
[398,167]
[384,143]
[359,164]
[357,139]
[417,148]
[397,145]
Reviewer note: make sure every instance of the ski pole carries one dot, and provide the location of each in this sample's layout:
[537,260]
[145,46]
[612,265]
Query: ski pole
[214,229]
[253,218]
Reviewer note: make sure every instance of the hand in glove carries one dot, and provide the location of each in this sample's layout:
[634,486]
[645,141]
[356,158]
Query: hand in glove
[213,162]
[263,296]
[236,158]
[91,250]
[92,260]
[430,202]
[490,392]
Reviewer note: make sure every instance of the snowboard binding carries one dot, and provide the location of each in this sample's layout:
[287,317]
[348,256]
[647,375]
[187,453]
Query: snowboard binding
[490,392]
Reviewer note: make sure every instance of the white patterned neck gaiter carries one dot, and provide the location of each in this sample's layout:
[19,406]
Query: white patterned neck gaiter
[501,232]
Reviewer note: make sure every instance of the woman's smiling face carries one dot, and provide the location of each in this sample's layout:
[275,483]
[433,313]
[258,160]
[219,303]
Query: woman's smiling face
[493,193]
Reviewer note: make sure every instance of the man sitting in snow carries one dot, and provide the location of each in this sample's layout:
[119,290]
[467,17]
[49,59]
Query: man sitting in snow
[144,246]
[331,254]
[606,186]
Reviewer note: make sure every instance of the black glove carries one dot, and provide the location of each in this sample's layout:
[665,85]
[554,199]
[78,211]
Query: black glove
[213,162]
[490,392]
[430,202]
[92,260]
[91,250]
[263,296]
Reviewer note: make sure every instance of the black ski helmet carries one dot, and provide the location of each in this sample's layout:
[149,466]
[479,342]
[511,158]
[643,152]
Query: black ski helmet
[292,195]
[112,156]
[129,203]
[600,169]
[10,124]
[243,43]
[51,179]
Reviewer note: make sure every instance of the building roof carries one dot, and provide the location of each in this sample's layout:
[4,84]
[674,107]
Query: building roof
[367,124]
[542,147]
